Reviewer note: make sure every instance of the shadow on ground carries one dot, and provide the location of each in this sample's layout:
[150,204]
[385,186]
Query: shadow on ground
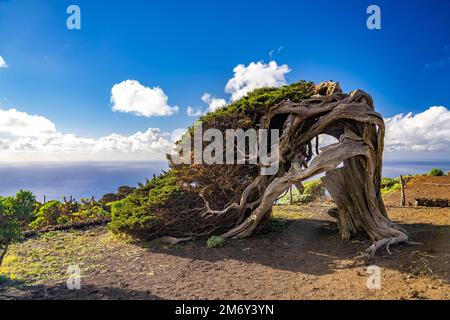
[315,247]
[18,291]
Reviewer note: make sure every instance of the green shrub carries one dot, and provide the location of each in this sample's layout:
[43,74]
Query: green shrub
[130,217]
[47,214]
[215,242]
[3,279]
[15,213]
[393,188]
[313,190]
[393,184]
[134,215]
[92,213]
[25,203]
[387,183]
[55,213]
[390,185]
[436,173]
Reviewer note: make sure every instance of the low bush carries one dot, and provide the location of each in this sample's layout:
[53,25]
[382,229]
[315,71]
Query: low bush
[313,190]
[55,213]
[92,213]
[393,184]
[4,279]
[130,217]
[15,213]
[436,173]
[49,213]
[135,215]
[390,185]
[215,242]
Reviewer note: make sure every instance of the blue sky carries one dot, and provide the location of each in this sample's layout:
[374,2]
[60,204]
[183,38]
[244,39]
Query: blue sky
[188,48]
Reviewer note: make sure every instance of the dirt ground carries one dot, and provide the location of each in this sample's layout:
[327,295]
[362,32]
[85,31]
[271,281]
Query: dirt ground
[422,187]
[307,260]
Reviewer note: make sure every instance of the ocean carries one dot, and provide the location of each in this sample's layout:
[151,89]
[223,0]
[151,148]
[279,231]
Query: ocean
[83,180]
[393,169]
[79,180]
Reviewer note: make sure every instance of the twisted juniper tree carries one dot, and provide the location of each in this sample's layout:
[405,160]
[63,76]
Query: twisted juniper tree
[193,200]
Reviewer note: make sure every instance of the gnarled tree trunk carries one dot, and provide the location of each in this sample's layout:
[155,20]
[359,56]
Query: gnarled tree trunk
[352,166]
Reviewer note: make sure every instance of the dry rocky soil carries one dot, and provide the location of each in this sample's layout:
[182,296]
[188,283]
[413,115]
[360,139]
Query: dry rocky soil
[299,257]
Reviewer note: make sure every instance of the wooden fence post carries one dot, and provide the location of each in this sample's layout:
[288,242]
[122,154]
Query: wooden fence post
[403,195]
[291,201]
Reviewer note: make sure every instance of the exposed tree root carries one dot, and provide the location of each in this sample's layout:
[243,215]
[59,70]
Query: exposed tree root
[383,243]
[386,243]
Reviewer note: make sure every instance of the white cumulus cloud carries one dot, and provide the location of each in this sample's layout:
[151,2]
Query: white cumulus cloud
[212,103]
[16,123]
[194,112]
[426,131]
[410,134]
[151,141]
[130,96]
[245,79]
[256,75]
[3,63]
[33,136]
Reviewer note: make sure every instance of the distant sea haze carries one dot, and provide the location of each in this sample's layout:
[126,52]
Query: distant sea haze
[87,179]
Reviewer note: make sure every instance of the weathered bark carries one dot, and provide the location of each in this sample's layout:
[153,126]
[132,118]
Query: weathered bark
[355,186]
